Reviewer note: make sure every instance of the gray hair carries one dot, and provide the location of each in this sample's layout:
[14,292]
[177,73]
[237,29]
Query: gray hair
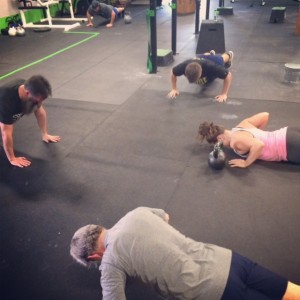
[84,243]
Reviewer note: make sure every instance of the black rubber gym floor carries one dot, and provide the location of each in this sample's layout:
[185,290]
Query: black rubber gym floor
[124,144]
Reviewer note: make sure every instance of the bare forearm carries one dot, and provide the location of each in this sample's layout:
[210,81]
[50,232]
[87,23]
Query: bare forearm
[8,146]
[259,120]
[254,154]
[113,17]
[41,118]
[254,150]
[173,81]
[227,84]
[89,17]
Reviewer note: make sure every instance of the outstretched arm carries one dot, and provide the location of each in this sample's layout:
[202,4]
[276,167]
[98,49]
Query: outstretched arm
[7,138]
[259,120]
[89,17]
[253,146]
[113,282]
[112,19]
[174,92]
[41,118]
[225,90]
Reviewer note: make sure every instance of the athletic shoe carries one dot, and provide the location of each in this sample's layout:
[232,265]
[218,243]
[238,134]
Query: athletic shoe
[212,52]
[229,63]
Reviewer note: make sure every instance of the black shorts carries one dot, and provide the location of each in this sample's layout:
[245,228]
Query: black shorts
[293,144]
[249,281]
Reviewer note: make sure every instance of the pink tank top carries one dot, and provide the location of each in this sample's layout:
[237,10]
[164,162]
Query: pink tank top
[274,141]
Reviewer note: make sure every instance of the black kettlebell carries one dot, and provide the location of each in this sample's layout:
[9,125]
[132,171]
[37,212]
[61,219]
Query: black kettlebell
[217,158]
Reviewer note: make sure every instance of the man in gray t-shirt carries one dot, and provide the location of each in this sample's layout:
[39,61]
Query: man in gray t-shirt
[104,10]
[142,245]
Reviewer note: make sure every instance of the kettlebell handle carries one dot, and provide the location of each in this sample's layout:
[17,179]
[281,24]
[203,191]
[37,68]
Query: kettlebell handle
[217,147]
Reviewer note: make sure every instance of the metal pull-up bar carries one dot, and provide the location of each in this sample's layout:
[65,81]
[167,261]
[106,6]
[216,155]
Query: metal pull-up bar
[152,38]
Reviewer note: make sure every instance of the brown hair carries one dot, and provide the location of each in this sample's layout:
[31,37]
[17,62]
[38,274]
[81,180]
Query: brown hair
[193,72]
[38,85]
[210,132]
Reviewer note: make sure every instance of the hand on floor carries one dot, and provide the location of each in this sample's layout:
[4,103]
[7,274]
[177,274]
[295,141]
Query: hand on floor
[221,98]
[173,94]
[20,162]
[51,138]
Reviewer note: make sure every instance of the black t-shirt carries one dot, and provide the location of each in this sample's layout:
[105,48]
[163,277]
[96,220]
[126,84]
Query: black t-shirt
[11,108]
[210,70]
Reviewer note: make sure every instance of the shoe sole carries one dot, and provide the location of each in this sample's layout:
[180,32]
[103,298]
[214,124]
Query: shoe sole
[229,63]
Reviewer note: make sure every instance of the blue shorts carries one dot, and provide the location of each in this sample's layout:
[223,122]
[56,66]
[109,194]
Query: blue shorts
[116,12]
[249,281]
[217,58]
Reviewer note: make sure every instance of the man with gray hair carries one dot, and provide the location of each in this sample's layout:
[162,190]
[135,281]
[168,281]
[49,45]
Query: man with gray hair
[142,245]
[21,97]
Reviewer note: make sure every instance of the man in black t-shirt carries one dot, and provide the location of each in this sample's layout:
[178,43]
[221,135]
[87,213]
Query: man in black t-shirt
[204,69]
[17,98]
[104,10]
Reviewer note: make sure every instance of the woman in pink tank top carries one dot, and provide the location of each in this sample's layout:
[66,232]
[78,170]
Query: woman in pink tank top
[251,142]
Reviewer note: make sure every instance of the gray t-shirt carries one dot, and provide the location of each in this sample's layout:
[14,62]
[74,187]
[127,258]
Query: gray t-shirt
[105,10]
[143,246]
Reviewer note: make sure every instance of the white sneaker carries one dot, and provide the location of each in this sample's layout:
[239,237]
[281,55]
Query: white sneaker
[20,31]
